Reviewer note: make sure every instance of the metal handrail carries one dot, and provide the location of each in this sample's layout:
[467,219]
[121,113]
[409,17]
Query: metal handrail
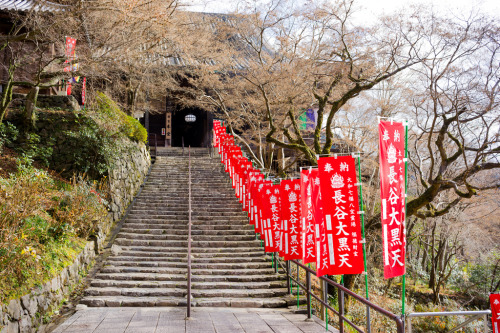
[476,315]
[189,242]
[341,289]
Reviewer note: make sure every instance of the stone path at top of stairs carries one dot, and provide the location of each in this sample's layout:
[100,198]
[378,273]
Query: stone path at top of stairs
[148,265]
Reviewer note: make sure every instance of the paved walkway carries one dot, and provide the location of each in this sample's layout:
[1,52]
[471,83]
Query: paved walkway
[204,320]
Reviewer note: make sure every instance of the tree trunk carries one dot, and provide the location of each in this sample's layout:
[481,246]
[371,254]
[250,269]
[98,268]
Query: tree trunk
[349,281]
[30,112]
[432,249]
[6,96]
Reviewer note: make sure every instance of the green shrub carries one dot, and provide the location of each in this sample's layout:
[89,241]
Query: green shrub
[8,134]
[140,133]
[43,225]
[116,121]
[92,151]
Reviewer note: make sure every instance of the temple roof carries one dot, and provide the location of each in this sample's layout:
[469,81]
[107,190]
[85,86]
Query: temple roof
[26,5]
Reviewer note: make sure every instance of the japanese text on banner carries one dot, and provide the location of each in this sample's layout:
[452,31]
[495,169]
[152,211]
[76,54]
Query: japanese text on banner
[392,195]
[342,250]
[290,215]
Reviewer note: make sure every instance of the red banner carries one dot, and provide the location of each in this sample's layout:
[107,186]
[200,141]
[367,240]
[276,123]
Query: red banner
[251,178]
[307,217]
[70,48]
[392,194]
[290,215]
[84,90]
[245,167]
[262,190]
[269,207]
[319,222]
[275,218]
[341,249]
[253,197]
[495,312]
[68,88]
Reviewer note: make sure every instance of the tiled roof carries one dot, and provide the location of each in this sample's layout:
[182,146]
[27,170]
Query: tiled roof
[26,5]
[242,58]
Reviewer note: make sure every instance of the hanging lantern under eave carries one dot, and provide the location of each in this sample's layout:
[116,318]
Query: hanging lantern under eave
[190,118]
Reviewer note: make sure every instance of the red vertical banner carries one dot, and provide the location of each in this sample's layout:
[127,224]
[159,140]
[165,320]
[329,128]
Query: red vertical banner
[319,223]
[495,312]
[290,215]
[269,204]
[250,177]
[392,194]
[84,90]
[262,192]
[68,88]
[70,48]
[341,250]
[276,217]
[307,217]
[253,197]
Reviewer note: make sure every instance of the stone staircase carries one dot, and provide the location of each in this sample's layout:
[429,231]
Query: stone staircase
[148,264]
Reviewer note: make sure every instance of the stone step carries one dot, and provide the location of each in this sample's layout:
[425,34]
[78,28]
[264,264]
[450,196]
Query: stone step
[196,210]
[199,237]
[199,272]
[161,224]
[213,244]
[243,302]
[183,284]
[120,276]
[172,252]
[162,231]
[124,301]
[139,284]
[140,277]
[135,292]
[233,293]
[196,259]
[181,205]
[240,220]
[227,218]
[197,214]
[183,264]
[178,292]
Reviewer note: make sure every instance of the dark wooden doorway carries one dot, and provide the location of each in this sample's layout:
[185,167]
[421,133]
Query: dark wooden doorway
[195,133]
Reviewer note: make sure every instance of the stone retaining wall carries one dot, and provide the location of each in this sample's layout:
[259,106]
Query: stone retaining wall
[26,314]
[48,101]
[127,175]
[125,178]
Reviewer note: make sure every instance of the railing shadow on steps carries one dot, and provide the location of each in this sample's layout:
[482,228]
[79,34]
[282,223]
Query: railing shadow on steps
[341,291]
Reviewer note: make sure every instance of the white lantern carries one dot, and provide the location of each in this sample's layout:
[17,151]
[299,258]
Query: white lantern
[190,118]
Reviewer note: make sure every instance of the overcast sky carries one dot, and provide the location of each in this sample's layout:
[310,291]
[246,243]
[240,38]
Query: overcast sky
[372,8]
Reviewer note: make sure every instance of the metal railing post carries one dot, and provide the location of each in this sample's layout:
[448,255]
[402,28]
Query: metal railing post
[288,286]
[341,310]
[189,241]
[308,286]
[485,323]
[275,262]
